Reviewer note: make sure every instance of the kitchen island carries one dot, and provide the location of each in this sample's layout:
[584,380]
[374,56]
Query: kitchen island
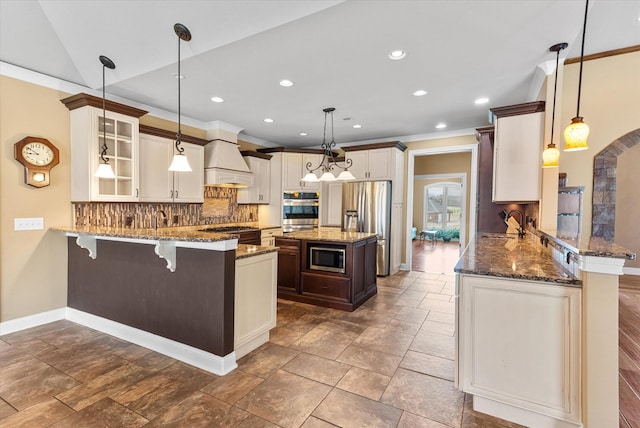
[529,328]
[327,267]
[173,290]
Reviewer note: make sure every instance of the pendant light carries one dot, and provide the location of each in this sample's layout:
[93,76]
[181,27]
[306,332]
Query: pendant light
[104,169]
[180,162]
[328,162]
[575,135]
[551,154]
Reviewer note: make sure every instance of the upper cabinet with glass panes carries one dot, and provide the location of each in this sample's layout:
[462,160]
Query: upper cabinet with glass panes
[87,140]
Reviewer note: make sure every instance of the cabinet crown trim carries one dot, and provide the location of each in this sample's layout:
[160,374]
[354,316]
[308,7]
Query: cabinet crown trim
[292,150]
[82,100]
[150,130]
[253,153]
[518,109]
[395,144]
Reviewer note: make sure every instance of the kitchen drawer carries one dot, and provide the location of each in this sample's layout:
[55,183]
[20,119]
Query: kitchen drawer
[325,286]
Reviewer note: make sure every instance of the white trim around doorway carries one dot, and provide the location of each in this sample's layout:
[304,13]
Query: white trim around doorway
[473,189]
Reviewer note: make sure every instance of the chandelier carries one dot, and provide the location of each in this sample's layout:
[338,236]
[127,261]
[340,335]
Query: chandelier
[328,162]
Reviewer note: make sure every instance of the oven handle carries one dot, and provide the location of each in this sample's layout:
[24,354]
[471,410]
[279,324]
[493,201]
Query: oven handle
[298,203]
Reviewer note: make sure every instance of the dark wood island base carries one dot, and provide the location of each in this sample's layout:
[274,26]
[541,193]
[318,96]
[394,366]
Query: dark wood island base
[298,281]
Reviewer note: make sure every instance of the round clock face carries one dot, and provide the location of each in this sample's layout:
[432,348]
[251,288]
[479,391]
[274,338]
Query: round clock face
[37,154]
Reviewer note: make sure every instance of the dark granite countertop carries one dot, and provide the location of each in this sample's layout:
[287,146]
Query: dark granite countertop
[190,233]
[244,250]
[330,234]
[592,246]
[507,256]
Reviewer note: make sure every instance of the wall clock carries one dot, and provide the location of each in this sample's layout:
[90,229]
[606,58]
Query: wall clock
[38,156]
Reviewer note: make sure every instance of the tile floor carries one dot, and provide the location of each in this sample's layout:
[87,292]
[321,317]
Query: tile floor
[387,364]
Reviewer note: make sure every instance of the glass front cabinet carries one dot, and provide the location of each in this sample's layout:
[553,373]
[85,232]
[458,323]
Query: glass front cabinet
[86,146]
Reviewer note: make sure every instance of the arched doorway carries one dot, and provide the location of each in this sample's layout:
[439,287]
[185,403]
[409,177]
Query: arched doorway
[605,173]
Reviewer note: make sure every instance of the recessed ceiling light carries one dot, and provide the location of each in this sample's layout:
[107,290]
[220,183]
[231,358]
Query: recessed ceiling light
[357,126]
[303,134]
[217,99]
[286,83]
[397,54]
[441,126]
[268,120]
[419,93]
[175,75]
[481,100]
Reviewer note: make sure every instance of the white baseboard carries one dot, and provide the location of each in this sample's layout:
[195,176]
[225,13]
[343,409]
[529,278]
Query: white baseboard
[631,271]
[185,353]
[11,326]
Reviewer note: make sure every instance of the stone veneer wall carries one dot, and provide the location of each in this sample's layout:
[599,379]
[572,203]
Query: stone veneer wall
[219,207]
[604,185]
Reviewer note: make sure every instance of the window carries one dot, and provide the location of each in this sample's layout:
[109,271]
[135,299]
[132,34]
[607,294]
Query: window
[443,205]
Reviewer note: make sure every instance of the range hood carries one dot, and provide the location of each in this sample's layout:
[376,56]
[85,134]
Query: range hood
[224,165]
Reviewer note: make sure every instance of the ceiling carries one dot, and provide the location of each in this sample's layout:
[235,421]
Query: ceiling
[335,52]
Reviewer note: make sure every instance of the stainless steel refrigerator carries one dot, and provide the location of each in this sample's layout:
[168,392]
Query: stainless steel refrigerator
[366,207]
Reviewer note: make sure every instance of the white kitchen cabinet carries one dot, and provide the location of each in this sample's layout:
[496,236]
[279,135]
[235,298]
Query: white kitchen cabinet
[519,349]
[374,164]
[331,203]
[158,184]
[294,168]
[260,191]
[268,236]
[122,151]
[255,301]
[517,152]
[384,161]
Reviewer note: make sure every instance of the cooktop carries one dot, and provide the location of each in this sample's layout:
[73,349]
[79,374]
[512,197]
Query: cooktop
[222,229]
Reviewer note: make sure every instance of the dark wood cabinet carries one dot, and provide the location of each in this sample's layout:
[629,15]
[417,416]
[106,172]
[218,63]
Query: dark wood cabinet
[288,266]
[298,281]
[251,237]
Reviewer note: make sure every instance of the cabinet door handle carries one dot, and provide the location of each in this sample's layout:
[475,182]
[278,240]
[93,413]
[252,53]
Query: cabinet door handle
[136,193]
[176,194]
[171,194]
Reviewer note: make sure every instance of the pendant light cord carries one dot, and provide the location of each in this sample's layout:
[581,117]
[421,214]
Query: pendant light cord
[179,149]
[104,121]
[584,31]
[555,87]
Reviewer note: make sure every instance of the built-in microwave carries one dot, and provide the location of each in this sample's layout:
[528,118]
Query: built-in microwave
[327,258]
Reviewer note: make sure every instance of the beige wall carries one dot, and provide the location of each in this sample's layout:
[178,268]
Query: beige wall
[33,267]
[609,104]
[628,203]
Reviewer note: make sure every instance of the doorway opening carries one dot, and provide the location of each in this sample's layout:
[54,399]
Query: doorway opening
[441,214]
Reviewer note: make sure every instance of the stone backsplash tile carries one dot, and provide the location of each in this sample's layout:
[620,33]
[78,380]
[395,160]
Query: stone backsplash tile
[219,207]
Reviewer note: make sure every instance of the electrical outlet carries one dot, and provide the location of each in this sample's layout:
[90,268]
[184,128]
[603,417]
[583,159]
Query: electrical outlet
[127,221]
[35,223]
[176,219]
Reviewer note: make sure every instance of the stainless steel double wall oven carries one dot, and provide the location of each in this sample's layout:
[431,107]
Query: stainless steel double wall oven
[300,211]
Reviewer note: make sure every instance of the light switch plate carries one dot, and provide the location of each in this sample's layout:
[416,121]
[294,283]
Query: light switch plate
[34,223]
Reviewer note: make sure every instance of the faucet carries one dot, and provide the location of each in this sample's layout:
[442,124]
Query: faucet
[165,222]
[521,231]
